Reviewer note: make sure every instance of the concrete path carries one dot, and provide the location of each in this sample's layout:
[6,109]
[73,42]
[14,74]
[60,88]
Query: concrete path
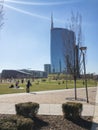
[50,101]
[95,117]
[46,109]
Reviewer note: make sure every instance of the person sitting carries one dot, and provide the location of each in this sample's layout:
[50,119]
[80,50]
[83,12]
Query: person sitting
[12,86]
[17,84]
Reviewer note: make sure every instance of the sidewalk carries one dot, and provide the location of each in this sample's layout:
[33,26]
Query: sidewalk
[95,117]
[50,101]
[45,109]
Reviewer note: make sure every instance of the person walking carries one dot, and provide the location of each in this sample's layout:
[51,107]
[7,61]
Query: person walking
[28,86]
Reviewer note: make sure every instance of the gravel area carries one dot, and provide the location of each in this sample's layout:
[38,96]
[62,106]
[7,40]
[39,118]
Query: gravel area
[43,122]
[59,123]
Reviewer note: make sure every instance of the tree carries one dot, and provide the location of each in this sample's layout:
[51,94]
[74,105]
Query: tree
[76,27]
[72,54]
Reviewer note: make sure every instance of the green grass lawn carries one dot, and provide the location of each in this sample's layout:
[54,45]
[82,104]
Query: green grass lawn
[44,85]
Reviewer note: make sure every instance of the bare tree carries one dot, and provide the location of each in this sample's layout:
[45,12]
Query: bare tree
[76,27]
[72,54]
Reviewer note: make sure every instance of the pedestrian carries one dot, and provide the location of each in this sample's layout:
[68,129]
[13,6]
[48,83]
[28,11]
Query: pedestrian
[28,86]
[22,81]
[17,84]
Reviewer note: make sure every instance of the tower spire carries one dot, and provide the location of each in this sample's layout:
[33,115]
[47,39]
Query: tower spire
[51,21]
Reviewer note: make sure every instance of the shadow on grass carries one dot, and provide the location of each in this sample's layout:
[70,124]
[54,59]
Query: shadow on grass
[38,123]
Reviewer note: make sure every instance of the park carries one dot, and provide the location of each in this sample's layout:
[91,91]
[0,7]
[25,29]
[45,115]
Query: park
[59,36]
[50,94]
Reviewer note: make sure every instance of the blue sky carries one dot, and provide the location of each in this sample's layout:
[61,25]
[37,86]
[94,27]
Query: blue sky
[25,36]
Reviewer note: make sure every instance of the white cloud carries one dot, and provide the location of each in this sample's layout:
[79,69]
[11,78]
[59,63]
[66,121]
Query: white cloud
[32,14]
[42,3]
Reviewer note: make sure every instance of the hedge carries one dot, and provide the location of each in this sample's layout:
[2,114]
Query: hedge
[28,109]
[72,110]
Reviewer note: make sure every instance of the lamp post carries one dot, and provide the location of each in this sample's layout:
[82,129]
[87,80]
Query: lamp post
[83,51]
[74,73]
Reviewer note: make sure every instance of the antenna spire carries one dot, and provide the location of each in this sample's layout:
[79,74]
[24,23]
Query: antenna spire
[51,21]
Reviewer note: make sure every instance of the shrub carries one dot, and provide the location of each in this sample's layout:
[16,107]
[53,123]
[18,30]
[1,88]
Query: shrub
[72,110]
[28,109]
[14,122]
[59,83]
[43,80]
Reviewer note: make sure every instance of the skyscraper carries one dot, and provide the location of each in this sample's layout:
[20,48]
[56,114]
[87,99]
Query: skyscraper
[47,68]
[62,49]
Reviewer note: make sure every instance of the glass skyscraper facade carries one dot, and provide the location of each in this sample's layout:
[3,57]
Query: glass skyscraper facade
[47,68]
[62,49]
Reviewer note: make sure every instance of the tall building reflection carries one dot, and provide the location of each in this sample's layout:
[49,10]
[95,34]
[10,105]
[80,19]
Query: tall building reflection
[62,49]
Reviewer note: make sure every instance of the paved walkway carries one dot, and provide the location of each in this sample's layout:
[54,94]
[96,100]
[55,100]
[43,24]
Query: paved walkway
[95,117]
[46,109]
[51,102]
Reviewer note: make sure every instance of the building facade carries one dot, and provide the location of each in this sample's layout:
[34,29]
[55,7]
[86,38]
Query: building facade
[47,68]
[23,74]
[62,49]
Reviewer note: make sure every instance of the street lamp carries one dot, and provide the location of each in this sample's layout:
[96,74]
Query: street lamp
[83,51]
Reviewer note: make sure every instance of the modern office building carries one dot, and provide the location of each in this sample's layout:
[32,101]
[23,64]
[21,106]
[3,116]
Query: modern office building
[24,73]
[62,49]
[47,68]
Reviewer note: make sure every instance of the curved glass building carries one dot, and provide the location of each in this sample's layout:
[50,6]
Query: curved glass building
[62,49]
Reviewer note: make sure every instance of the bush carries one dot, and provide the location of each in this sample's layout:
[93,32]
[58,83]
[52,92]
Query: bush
[43,80]
[72,110]
[16,123]
[59,83]
[28,109]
